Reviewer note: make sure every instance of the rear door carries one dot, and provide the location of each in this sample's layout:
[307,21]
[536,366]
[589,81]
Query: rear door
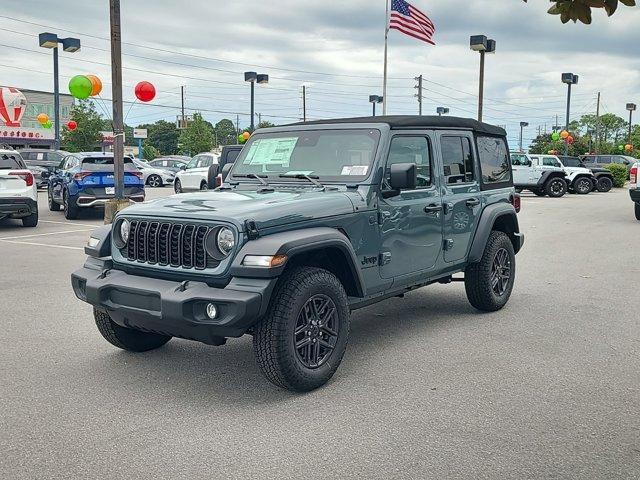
[460,192]
[190,179]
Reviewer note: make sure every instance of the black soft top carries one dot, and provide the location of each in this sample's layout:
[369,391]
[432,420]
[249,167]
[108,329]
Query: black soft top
[418,121]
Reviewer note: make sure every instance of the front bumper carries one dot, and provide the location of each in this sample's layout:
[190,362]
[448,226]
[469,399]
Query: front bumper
[170,307]
[17,206]
[635,195]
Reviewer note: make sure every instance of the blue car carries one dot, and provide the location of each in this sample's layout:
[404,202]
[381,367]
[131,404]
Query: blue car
[86,180]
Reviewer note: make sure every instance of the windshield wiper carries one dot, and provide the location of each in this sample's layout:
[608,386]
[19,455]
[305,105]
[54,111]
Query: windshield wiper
[260,178]
[303,176]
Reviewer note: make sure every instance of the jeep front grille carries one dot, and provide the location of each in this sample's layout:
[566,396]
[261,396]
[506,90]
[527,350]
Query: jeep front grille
[174,244]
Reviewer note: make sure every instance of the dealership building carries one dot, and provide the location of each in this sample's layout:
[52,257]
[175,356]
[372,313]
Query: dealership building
[19,109]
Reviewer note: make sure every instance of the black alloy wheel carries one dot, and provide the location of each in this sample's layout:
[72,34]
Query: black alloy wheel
[316,331]
[583,186]
[500,272]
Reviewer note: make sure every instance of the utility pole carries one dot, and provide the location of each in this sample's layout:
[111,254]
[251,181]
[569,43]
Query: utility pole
[419,95]
[237,126]
[119,202]
[597,124]
[183,124]
[304,103]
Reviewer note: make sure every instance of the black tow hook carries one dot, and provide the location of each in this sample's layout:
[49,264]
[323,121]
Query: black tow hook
[104,273]
[183,286]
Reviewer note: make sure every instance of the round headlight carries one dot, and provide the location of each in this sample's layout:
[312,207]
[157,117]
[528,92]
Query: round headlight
[225,240]
[124,231]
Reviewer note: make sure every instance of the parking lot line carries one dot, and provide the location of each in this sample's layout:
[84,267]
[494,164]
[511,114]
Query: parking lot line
[41,244]
[45,234]
[70,223]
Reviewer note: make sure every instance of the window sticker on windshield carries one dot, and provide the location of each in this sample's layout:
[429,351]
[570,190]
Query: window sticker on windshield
[268,151]
[359,170]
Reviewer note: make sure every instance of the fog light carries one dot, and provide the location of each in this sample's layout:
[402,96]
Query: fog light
[212,310]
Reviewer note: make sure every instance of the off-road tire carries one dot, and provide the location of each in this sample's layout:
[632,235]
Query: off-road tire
[31,220]
[53,205]
[604,184]
[555,187]
[71,209]
[274,338]
[478,276]
[582,186]
[154,180]
[177,186]
[127,338]
[637,211]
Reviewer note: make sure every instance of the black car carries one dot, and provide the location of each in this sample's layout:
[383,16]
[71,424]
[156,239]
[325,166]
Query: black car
[42,163]
[603,176]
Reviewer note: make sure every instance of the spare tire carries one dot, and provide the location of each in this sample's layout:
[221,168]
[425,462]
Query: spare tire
[211,176]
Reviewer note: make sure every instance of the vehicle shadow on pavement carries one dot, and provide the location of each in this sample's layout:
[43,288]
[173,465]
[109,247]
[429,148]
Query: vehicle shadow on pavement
[185,371]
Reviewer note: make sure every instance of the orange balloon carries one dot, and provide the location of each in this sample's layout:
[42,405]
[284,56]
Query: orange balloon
[246,135]
[564,134]
[96,85]
[42,118]
[628,147]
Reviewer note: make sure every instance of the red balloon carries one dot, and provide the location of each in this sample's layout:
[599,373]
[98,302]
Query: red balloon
[570,140]
[145,91]
[72,125]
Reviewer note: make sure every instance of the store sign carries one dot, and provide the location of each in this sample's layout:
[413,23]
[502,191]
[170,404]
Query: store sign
[139,133]
[11,133]
[108,138]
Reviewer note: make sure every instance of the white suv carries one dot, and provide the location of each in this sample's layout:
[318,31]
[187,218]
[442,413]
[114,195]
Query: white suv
[196,175]
[579,179]
[18,191]
[542,177]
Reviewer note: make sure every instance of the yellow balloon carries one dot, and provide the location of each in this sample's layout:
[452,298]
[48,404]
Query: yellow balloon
[564,134]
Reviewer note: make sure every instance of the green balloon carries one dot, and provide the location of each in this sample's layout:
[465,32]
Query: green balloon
[555,136]
[47,124]
[241,139]
[621,147]
[80,87]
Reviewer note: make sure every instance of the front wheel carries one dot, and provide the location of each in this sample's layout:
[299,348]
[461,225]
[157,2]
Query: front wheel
[583,185]
[177,186]
[127,338]
[300,342]
[556,187]
[604,184]
[489,282]
[154,181]
[53,205]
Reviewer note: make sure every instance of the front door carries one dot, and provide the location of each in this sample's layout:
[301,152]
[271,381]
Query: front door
[411,222]
[462,201]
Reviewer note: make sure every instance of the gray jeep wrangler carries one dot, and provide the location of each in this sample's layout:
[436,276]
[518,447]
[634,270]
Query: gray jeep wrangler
[313,221]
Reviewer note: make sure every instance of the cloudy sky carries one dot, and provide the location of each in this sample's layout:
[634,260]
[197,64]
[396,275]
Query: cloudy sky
[335,48]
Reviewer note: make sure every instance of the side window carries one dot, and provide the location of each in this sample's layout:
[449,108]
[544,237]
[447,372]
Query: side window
[457,159]
[494,160]
[550,162]
[604,159]
[411,150]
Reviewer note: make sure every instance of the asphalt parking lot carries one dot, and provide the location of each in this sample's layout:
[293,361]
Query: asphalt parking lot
[549,387]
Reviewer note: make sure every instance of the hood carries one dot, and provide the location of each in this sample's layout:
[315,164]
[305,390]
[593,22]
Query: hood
[577,170]
[266,209]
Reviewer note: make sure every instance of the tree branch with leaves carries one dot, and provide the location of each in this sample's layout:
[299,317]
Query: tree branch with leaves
[581,9]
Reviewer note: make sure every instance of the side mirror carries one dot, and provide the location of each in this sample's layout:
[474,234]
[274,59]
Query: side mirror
[527,163]
[225,170]
[403,176]
[182,167]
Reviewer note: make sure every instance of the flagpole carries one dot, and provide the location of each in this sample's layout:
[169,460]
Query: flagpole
[386,37]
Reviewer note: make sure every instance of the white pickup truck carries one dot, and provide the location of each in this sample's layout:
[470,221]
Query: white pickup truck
[634,187]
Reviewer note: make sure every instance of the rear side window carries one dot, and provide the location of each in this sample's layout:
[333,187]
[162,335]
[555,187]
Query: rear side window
[603,159]
[457,159]
[11,162]
[494,160]
[550,162]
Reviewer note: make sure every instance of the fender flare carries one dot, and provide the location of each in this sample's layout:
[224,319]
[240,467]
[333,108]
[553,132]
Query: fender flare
[504,212]
[294,243]
[547,175]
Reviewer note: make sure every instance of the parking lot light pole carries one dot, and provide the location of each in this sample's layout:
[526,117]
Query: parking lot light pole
[569,79]
[253,78]
[480,43]
[442,111]
[374,99]
[632,108]
[71,45]
[522,125]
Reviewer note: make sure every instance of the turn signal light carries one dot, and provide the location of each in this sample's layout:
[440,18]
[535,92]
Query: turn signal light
[268,261]
[80,175]
[634,175]
[516,201]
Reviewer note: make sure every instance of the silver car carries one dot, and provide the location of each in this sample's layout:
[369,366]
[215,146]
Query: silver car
[154,177]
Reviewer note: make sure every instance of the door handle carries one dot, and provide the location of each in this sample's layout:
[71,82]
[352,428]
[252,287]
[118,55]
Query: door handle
[433,208]
[472,202]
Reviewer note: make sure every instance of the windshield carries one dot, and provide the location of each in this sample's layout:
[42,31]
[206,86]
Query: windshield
[340,155]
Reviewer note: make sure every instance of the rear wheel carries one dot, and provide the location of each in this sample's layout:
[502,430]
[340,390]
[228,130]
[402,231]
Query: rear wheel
[489,282]
[583,185]
[177,186]
[31,220]
[604,184]
[53,205]
[127,338]
[204,186]
[300,342]
[71,208]
[637,211]
[154,181]
[556,187]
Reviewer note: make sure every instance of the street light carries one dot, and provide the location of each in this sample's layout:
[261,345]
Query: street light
[373,99]
[632,108]
[442,111]
[253,78]
[569,79]
[480,43]
[522,125]
[71,45]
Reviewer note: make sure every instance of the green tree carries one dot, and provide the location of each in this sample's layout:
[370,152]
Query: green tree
[225,132]
[162,135]
[581,9]
[150,152]
[197,137]
[266,124]
[87,136]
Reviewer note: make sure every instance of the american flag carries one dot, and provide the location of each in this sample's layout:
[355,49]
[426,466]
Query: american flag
[411,21]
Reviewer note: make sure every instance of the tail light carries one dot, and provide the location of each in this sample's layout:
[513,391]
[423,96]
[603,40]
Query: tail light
[81,175]
[137,174]
[516,201]
[218,180]
[25,175]
[634,175]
